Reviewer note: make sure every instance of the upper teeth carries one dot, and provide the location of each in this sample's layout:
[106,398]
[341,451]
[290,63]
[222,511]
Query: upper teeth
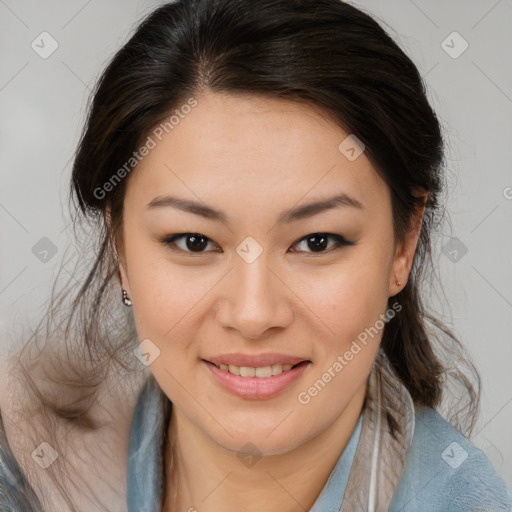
[261,371]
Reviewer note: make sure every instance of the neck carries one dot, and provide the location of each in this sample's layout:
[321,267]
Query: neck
[203,476]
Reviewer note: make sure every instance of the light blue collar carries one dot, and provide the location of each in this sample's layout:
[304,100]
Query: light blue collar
[331,497]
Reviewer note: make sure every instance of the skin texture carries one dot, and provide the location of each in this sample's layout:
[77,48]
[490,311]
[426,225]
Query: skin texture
[254,157]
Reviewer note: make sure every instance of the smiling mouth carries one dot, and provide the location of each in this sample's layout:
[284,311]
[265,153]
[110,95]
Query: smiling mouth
[258,372]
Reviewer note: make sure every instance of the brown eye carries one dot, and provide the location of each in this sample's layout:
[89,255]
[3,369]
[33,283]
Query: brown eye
[194,242]
[319,242]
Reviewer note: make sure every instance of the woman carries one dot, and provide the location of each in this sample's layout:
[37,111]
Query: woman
[264,178]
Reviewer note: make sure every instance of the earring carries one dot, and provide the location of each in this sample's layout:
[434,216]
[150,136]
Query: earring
[126,300]
[397,282]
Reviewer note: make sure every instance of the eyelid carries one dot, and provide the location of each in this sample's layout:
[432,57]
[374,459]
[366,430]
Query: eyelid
[169,241]
[340,241]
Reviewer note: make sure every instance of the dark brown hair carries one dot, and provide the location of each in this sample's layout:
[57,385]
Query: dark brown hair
[323,52]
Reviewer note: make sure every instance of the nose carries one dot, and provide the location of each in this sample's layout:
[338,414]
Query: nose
[256,300]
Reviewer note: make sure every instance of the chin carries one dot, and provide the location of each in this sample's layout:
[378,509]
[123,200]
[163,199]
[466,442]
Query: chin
[257,445]
[262,437]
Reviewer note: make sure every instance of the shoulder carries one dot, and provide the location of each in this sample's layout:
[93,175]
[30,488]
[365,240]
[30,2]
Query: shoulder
[445,471]
[48,454]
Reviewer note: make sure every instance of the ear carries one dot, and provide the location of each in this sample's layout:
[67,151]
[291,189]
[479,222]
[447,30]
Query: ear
[404,255]
[118,249]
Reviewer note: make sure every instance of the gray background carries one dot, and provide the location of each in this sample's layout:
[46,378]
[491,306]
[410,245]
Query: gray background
[42,106]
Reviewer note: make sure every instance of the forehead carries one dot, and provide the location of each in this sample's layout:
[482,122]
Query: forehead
[253,147]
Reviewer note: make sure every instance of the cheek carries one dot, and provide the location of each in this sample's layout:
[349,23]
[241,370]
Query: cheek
[346,299]
[169,300]
[160,296]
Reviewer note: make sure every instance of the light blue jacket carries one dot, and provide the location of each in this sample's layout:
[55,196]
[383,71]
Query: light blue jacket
[444,471]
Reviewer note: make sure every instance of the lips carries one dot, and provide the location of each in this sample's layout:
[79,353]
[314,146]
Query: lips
[254,381]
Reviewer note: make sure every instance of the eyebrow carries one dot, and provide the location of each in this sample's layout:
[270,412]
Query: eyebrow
[286,217]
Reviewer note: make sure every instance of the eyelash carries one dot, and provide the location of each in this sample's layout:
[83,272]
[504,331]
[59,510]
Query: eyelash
[340,241]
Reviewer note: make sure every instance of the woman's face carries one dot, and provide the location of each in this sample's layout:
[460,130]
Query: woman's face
[252,181]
